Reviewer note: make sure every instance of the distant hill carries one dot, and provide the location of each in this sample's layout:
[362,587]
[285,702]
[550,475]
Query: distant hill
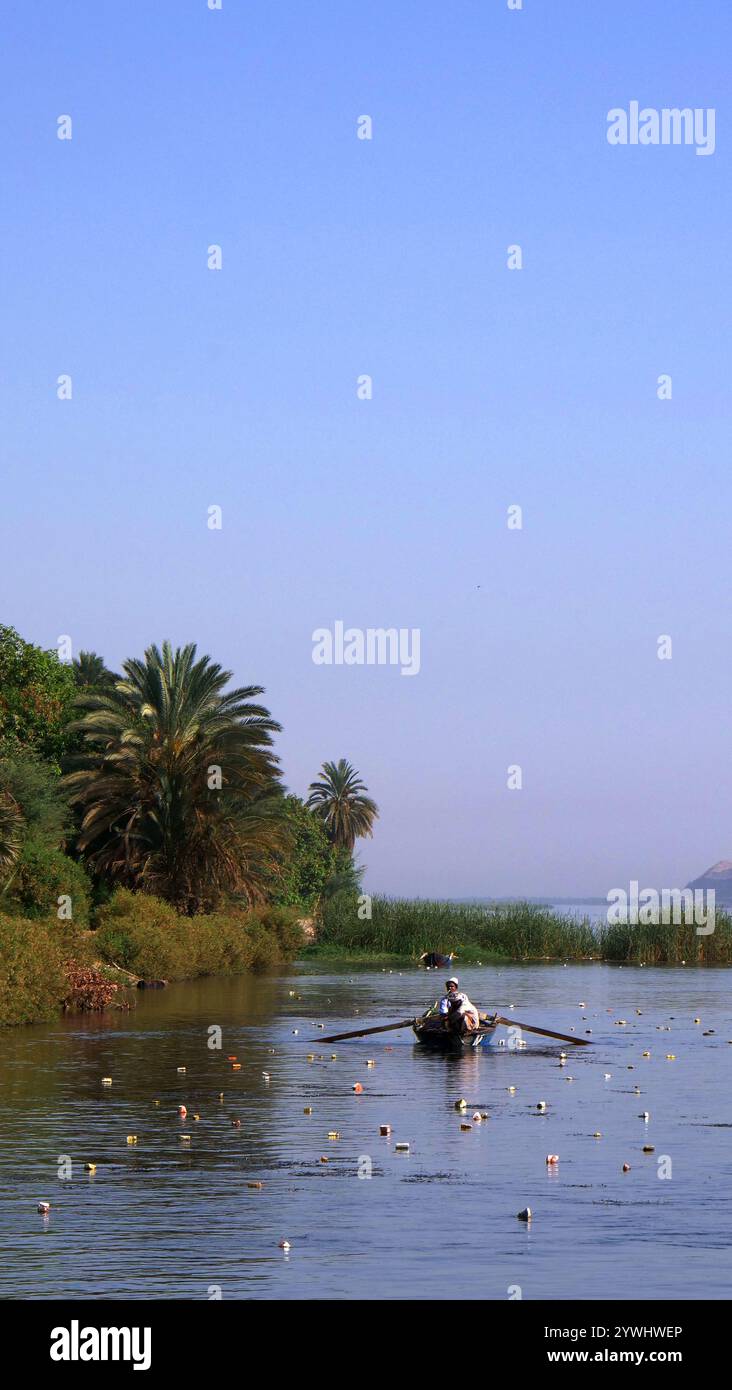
[719,877]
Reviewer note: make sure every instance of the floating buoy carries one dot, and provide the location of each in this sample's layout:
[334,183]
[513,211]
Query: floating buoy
[402,1147]
[333,1056]
[295,1032]
[334,1134]
[156,1102]
[646,1054]
[697,1020]
[185,1138]
[608,1075]
[562,1055]
[236,1066]
[182,1111]
[44,1207]
[221,1095]
[310,1057]
[511,1090]
[670,1056]
[357,1087]
[232,1059]
[597,1134]
[131,1138]
[626,1167]
[541,1105]
[370,1062]
[384,1129]
[308,1110]
[180,1069]
[524,1215]
[90,1167]
[106,1081]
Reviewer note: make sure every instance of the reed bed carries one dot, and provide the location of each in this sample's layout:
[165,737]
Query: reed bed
[402,928]
[406,927]
[668,945]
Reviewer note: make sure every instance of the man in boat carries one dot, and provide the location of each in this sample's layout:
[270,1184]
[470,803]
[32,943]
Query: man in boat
[459,1015]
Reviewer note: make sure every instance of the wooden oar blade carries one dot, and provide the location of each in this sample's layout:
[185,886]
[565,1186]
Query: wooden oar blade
[543,1032]
[364,1032]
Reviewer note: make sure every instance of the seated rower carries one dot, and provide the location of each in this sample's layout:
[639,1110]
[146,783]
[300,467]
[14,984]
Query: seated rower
[459,1014]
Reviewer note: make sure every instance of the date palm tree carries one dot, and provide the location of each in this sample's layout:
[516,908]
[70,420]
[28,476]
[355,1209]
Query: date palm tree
[176,783]
[11,828]
[90,672]
[338,798]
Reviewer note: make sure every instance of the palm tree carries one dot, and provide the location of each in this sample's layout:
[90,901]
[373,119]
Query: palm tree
[90,672]
[337,798]
[177,786]
[11,827]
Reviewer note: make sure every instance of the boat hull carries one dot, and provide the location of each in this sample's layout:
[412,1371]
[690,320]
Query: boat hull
[432,1034]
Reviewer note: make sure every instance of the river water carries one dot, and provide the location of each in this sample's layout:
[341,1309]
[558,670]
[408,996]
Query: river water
[174,1218]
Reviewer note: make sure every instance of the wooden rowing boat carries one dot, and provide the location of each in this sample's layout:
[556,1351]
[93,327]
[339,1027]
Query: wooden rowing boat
[431,1031]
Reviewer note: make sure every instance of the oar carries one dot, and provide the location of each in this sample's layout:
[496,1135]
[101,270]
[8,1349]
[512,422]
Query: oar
[543,1032]
[363,1032]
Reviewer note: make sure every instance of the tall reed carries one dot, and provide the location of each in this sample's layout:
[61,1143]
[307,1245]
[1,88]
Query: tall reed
[405,927]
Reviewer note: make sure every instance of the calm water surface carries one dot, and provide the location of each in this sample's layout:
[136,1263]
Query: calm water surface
[165,1218]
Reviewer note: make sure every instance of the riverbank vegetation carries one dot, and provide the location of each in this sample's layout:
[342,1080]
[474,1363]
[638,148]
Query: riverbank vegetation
[401,929]
[145,827]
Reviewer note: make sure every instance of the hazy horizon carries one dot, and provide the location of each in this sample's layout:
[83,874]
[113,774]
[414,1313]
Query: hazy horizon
[237,388]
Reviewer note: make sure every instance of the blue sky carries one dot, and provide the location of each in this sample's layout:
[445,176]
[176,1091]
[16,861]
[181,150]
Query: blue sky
[342,256]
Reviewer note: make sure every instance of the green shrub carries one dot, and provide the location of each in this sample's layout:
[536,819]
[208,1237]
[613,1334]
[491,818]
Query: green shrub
[145,935]
[32,977]
[41,875]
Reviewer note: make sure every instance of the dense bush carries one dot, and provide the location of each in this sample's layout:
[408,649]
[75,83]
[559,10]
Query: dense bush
[33,980]
[145,935]
[36,695]
[41,875]
[302,868]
